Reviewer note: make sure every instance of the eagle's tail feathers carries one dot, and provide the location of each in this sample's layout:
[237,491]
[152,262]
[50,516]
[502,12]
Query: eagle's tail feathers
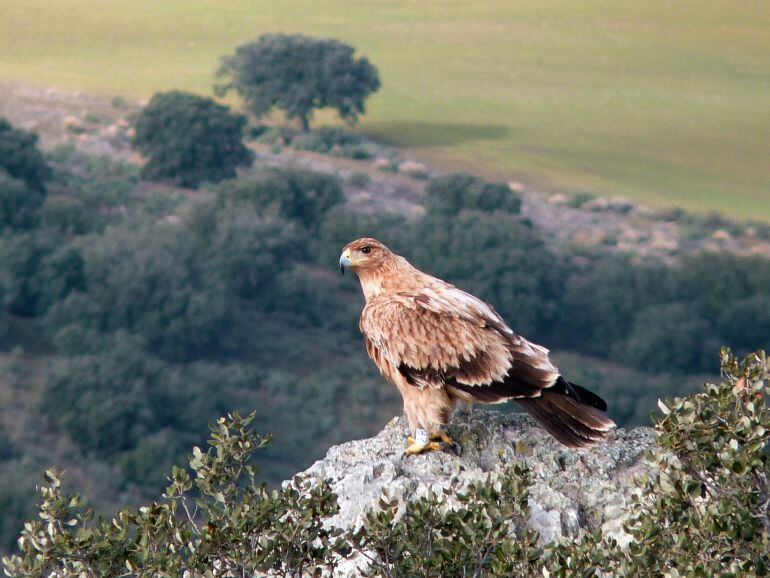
[574,423]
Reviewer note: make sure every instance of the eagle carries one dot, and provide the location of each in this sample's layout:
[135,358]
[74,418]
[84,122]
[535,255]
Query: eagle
[442,347]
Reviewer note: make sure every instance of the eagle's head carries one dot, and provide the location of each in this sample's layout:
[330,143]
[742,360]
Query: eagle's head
[364,255]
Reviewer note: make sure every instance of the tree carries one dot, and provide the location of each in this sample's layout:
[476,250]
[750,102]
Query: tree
[296,194]
[190,139]
[450,194]
[19,204]
[299,74]
[21,158]
[668,337]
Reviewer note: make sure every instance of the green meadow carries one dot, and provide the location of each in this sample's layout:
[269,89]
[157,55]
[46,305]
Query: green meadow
[664,102]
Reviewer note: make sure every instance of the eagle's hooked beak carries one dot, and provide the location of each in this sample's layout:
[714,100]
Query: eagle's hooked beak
[345,261]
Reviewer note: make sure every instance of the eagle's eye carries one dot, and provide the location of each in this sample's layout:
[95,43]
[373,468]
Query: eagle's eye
[366,250]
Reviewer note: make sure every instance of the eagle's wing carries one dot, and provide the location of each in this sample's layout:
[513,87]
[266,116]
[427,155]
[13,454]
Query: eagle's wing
[442,336]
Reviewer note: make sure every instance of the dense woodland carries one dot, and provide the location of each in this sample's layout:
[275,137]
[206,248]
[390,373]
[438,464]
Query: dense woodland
[133,314]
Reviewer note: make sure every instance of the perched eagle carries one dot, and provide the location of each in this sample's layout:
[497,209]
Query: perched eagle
[440,346]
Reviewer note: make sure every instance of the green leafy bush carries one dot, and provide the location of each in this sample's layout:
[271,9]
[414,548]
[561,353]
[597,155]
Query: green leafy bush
[702,512]
[36,271]
[450,194]
[220,519]
[149,280]
[190,139]
[295,194]
[19,205]
[246,249]
[69,215]
[668,337]
[21,158]
[482,535]
[103,184]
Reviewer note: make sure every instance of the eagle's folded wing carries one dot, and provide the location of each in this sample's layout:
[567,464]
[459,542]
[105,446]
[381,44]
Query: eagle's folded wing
[442,336]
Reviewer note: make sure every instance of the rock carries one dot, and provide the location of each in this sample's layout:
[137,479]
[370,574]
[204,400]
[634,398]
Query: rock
[413,169]
[572,491]
[381,164]
[597,204]
[517,187]
[722,236]
[73,124]
[589,238]
[620,204]
[558,199]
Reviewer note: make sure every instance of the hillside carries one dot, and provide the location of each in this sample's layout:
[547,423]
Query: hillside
[135,312]
[665,104]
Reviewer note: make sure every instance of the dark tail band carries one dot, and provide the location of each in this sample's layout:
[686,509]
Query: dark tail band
[574,422]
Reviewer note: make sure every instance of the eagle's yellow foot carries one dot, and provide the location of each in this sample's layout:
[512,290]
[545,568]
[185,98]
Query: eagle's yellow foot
[437,435]
[436,441]
[415,448]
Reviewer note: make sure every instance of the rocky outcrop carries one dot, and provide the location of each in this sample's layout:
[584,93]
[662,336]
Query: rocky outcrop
[572,491]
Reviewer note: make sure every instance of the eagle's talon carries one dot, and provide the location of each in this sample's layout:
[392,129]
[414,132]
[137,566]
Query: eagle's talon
[437,435]
[433,446]
[415,448]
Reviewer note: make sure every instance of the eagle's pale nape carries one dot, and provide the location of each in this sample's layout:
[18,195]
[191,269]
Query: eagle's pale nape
[442,347]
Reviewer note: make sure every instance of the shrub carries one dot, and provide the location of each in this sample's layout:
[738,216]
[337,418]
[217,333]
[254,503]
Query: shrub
[69,215]
[668,337]
[483,535]
[745,323]
[246,250]
[326,139]
[151,281]
[701,512]
[99,182]
[704,511]
[220,517]
[298,74]
[36,271]
[19,204]
[21,158]
[295,194]
[359,180]
[450,194]
[189,139]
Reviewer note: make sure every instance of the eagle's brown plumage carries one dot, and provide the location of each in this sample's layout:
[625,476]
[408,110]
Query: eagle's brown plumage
[439,346]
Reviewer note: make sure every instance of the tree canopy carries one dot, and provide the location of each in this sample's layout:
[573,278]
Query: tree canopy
[21,158]
[299,74]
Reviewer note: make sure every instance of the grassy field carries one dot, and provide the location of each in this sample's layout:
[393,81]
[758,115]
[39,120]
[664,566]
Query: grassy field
[665,102]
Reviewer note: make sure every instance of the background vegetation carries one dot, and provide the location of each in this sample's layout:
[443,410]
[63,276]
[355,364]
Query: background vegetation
[134,313]
[665,103]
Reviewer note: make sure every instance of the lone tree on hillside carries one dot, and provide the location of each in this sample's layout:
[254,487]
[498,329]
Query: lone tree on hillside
[299,74]
[189,139]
